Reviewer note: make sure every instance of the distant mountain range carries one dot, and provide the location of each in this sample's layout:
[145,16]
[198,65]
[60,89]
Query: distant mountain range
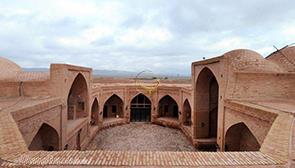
[112,73]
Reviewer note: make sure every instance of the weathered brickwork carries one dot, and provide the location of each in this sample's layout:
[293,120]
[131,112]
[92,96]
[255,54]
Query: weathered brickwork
[12,144]
[259,130]
[77,138]
[284,58]
[276,144]
[260,86]
[238,104]
[36,88]
[30,126]
[133,158]
[259,91]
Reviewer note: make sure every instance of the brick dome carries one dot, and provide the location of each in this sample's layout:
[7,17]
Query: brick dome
[284,58]
[250,61]
[8,69]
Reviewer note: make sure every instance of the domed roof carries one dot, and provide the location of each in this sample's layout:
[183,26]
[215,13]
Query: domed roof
[8,69]
[285,58]
[250,61]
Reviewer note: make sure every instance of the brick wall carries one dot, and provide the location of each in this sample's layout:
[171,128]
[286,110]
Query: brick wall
[262,86]
[72,141]
[36,88]
[257,126]
[30,125]
[9,89]
[277,142]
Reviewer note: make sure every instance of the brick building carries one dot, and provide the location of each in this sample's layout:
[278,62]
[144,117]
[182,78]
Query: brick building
[239,104]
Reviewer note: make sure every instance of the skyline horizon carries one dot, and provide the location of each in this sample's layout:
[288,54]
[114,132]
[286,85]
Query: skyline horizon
[165,37]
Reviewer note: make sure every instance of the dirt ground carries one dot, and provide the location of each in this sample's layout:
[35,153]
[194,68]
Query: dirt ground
[140,137]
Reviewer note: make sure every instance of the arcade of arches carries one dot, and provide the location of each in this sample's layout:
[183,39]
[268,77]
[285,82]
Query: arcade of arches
[46,139]
[239,101]
[238,137]
[168,107]
[113,107]
[78,99]
[140,111]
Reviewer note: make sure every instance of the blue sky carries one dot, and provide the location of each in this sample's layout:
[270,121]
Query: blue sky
[163,36]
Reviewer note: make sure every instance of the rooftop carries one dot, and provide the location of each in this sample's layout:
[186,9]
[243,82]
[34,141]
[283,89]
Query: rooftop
[147,158]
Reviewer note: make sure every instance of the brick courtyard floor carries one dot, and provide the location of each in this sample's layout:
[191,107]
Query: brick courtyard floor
[141,137]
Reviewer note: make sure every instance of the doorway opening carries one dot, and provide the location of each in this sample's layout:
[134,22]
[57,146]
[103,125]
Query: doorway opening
[140,109]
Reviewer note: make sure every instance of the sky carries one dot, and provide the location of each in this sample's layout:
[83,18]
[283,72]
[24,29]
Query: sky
[162,36]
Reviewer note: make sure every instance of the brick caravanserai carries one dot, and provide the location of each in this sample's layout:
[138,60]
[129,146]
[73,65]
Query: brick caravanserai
[237,111]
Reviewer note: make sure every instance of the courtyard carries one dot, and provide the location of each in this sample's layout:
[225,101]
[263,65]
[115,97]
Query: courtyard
[141,137]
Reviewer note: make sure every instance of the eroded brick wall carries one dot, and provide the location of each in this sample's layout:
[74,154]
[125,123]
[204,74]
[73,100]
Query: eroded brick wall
[72,141]
[30,125]
[36,88]
[258,127]
[9,89]
[263,86]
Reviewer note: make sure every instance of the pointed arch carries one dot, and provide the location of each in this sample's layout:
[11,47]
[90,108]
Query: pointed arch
[187,113]
[94,112]
[167,107]
[172,96]
[78,98]
[239,138]
[206,104]
[140,93]
[113,107]
[140,108]
[46,139]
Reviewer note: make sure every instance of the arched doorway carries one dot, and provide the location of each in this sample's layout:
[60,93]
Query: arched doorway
[94,112]
[213,107]
[206,105]
[239,138]
[113,107]
[187,114]
[140,109]
[46,139]
[168,107]
[78,99]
